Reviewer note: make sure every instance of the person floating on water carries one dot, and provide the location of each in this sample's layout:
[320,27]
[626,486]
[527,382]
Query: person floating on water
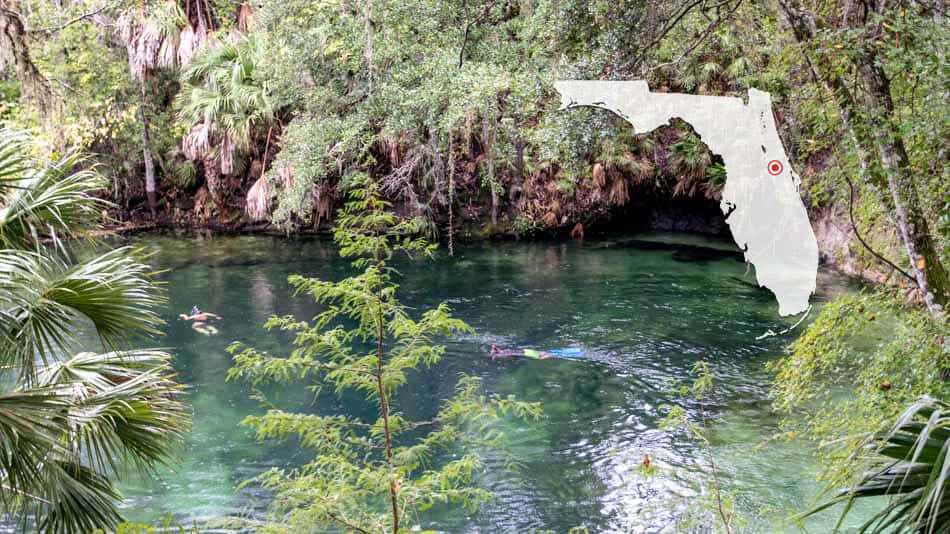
[201,319]
[532,354]
[198,315]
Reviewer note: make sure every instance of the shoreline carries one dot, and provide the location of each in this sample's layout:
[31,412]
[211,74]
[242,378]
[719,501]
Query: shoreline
[468,235]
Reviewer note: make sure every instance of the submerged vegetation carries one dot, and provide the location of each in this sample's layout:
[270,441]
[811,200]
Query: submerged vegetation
[438,118]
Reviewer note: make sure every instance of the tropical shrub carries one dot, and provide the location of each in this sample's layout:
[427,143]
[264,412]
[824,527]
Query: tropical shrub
[909,464]
[71,419]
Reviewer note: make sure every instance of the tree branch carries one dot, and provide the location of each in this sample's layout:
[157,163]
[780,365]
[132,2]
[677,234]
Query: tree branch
[469,23]
[857,234]
[676,20]
[713,26]
[80,18]
[343,521]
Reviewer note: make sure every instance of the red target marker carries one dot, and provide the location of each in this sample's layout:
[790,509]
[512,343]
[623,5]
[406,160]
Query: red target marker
[775,167]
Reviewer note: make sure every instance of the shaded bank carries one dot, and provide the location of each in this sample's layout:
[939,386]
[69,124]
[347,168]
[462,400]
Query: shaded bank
[647,211]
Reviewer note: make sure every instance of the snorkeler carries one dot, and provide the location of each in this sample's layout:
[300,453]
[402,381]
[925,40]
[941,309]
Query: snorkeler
[201,319]
[532,354]
[198,315]
[204,328]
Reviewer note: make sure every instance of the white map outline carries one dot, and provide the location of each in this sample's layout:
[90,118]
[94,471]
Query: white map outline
[765,212]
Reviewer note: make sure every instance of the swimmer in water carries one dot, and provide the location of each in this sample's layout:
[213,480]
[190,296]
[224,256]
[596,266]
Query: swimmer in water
[572,353]
[198,315]
[204,328]
[201,319]
[531,354]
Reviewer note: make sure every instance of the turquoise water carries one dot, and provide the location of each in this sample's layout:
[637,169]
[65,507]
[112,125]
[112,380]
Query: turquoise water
[642,318]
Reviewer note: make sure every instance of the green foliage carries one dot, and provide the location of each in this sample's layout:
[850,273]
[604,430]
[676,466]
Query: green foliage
[394,97]
[223,100]
[44,200]
[524,226]
[426,97]
[853,371]
[142,528]
[371,475]
[97,97]
[910,464]
[418,94]
[715,506]
[9,97]
[71,419]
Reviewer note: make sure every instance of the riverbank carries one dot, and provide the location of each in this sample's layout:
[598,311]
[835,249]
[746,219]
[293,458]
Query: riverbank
[838,249]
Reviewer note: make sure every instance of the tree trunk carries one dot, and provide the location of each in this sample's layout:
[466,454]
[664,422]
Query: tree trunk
[14,48]
[912,226]
[517,177]
[147,155]
[34,87]
[878,138]
[381,392]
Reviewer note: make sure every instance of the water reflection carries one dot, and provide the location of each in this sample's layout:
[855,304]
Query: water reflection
[643,318]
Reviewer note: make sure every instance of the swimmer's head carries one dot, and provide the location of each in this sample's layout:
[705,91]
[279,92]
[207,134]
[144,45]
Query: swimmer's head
[195,310]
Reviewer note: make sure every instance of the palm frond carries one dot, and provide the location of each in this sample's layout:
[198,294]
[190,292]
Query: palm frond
[14,159]
[124,406]
[50,200]
[259,198]
[31,425]
[76,498]
[912,468]
[43,299]
[68,424]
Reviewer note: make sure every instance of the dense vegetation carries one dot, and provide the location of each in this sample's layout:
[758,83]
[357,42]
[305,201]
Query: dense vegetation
[228,114]
[70,419]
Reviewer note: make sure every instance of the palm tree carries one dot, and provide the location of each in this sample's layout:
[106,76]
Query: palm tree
[225,104]
[695,168]
[153,39]
[71,419]
[911,466]
[616,162]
